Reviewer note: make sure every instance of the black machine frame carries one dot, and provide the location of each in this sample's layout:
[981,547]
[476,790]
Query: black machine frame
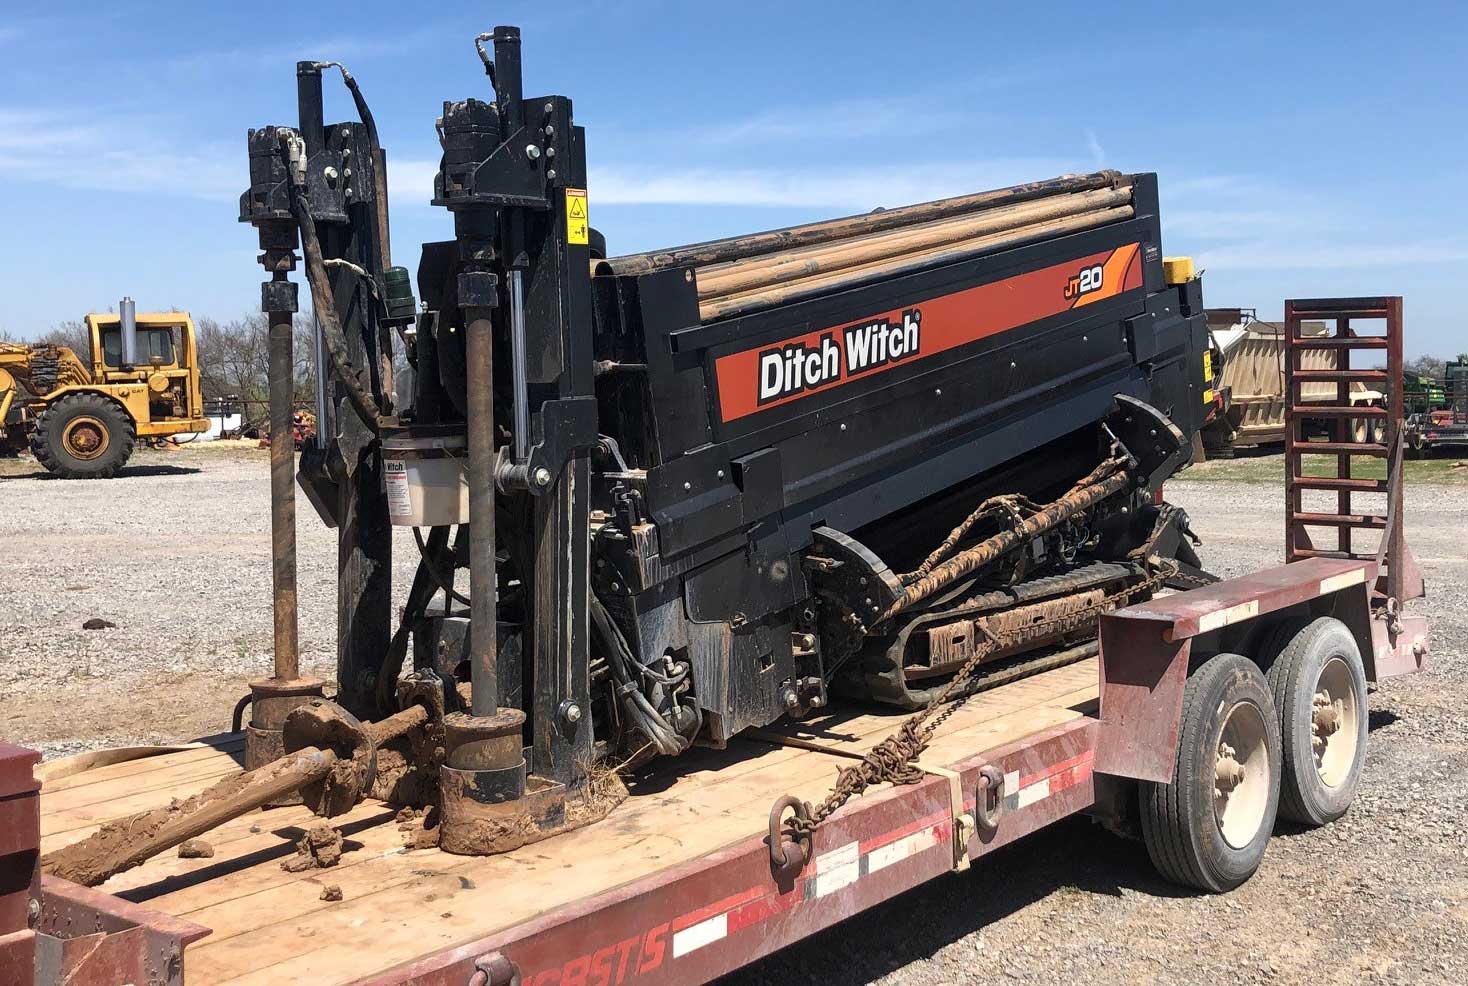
[617,494]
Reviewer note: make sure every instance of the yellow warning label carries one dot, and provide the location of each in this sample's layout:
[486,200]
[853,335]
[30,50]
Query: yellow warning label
[1207,397]
[1207,364]
[576,220]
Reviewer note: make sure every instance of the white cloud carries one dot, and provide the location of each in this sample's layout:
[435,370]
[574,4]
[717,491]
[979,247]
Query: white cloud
[1262,255]
[344,48]
[1098,153]
[852,188]
[114,155]
[843,120]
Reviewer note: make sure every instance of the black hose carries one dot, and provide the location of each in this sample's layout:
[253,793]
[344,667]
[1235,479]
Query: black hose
[424,584]
[446,584]
[379,161]
[619,654]
[324,304]
[484,57]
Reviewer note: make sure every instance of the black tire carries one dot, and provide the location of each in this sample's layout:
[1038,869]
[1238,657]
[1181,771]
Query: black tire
[64,430]
[1180,824]
[1316,791]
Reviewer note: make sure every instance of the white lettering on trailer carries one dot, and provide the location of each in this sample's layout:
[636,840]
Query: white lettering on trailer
[1342,581]
[1225,617]
[698,935]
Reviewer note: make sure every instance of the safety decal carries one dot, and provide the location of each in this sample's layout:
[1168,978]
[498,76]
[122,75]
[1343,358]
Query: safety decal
[577,220]
[763,377]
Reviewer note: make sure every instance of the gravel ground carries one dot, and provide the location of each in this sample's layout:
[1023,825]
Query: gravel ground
[1381,896]
[176,552]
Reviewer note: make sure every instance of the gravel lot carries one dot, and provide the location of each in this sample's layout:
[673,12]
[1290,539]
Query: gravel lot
[175,552]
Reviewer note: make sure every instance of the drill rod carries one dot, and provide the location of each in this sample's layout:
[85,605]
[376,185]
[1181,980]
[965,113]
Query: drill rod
[283,497]
[479,354]
[127,842]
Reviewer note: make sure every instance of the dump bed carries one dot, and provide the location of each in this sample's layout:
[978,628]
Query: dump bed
[270,926]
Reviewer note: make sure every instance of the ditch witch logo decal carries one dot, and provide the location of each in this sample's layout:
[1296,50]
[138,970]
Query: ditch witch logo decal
[795,367]
[767,376]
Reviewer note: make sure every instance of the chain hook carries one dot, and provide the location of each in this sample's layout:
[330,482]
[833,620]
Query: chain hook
[991,783]
[782,844]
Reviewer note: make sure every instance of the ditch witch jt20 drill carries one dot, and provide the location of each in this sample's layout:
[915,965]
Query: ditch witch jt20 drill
[700,489]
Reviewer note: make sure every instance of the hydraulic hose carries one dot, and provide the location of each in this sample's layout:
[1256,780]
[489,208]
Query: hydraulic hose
[634,702]
[431,558]
[379,161]
[424,583]
[323,302]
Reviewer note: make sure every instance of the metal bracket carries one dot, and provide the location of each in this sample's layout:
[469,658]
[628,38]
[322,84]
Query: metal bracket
[567,426]
[964,828]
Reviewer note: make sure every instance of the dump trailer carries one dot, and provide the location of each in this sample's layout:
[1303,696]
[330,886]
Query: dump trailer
[878,498]
[1251,384]
[81,414]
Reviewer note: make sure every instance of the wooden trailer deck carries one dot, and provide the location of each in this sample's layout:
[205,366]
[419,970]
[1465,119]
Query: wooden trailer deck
[270,926]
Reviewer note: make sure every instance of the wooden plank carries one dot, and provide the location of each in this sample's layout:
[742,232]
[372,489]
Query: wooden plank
[243,861]
[82,816]
[198,774]
[708,817]
[270,926]
[145,765]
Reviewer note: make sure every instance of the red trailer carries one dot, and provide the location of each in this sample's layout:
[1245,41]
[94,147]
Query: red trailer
[1185,699]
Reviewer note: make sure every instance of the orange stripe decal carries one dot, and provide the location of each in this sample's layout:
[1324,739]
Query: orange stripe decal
[768,376]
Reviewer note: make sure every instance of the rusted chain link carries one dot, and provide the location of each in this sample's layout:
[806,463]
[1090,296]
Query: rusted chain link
[894,759]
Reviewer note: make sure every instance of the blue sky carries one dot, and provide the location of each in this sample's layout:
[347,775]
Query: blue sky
[1303,149]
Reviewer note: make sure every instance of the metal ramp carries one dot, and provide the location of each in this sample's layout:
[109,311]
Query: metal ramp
[1354,433]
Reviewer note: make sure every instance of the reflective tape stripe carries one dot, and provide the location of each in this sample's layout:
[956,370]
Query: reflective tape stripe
[1342,581]
[1224,617]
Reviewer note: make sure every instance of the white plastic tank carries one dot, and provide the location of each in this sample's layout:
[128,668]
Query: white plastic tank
[427,479]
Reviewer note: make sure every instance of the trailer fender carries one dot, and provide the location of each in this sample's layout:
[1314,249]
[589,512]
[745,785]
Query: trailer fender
[1146,650]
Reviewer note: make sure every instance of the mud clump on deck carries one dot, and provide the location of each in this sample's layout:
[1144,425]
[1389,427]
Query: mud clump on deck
[320,848]
[195,849]
[489,834]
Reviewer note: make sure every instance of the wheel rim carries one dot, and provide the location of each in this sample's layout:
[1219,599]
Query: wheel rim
[85,437]
[1241,775]
[1335,707]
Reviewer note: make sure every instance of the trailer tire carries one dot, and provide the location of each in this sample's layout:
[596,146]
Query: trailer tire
[1321,659]
[1195,835]
[83,436]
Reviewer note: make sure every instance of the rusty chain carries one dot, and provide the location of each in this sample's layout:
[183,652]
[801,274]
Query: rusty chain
[894,759]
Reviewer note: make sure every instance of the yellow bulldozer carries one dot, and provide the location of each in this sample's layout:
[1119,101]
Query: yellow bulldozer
[82,413]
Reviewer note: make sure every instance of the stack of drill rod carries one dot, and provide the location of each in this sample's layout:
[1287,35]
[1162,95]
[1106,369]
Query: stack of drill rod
[744,274]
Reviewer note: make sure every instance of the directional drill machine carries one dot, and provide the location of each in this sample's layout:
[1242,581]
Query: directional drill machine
[700,489]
